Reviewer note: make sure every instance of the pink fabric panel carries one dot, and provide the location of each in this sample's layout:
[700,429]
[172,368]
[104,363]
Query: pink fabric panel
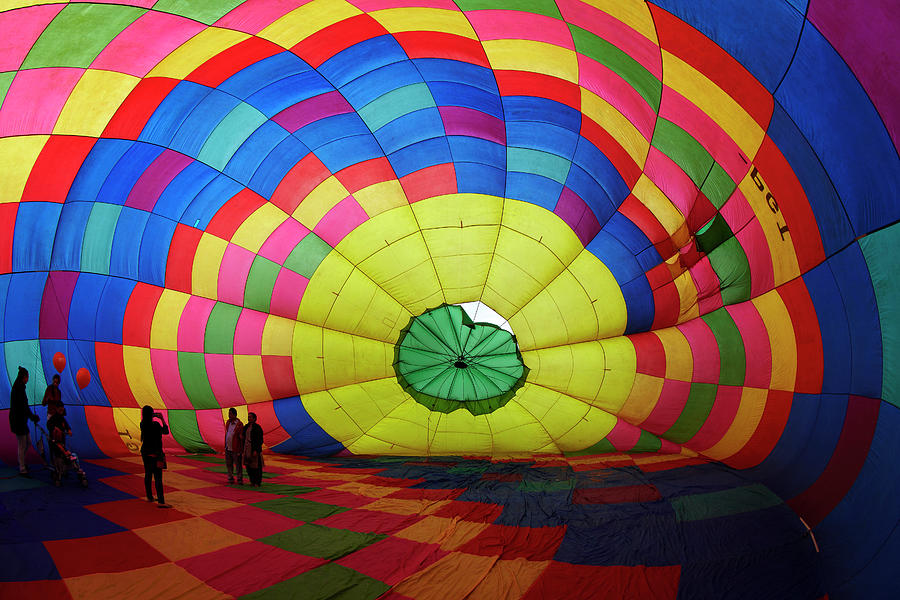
[168,378]
[255,15]
[236,263]
[35,99]
[169,443]
[248,332]
[370,5]
[312,109]
[55,303]
[212,428]
[725,407]
[613,31]
[671,180]
[704,350]
[707,282]
[624,436]
[756,344]
[340,220]
[192,326]
[223,381]
[503,24]
[459,120]
[153,181]
[756,247]
[141,45]
[667,447]
[607,84]
[287,293]
[737,211]
[282,241]
[28,23]
[672,400]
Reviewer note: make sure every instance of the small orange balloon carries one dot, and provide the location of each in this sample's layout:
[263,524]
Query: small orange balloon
[83,377]
[59,362]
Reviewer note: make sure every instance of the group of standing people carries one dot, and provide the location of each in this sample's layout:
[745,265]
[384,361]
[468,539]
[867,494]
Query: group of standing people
[243,448]
[20,413]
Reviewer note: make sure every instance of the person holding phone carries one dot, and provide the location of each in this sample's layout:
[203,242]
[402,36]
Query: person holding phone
[152,453]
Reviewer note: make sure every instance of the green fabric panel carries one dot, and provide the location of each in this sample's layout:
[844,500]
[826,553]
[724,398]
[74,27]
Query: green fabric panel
[880,252]
[547,8]
[223,469]
[220,328]
[78,34]
[25,353]
[283,489]
[539,485]
[396,103]
[98,238]
[307,255]
[712,234]
[199,10]
[698,406]
[683,149]
[730,263]
[732,358]
[192,367]
[718,186]
[5,81]
[300,509]
[229,134]
[322,542]
[525,160]
[604,446]
[183,427]
[260,284]
[726,502]
[205,458]
[328,582]
[618,61]
[646,443]
[473,468]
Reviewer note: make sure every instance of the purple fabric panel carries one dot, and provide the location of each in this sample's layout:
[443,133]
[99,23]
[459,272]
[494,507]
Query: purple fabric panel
[55,304]
[576,213]
[312,109]
[153,181]
[473,123]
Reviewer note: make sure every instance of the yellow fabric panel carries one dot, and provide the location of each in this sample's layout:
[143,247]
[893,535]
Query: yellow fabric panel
[577,369]
[242,411]
[781,340]
[377,233]
[458,210]
[169,581]
[405,427]
[687,294]
[17,158]
[308,358]
[323,198]
[749,414]
[11,4]
[352,358]
[450,533]
[251,379]
[633,13]
[532,56]
[363,308]
[714,101]
[405,271]
[380,197]
[604,293]
[782,251]
[587,431]
[621,365]
[510,286]
[128,421]
[659,204]
[188,537]
[460,431]
[515,428]
[617,125]
[277,337]
[164,327]
[207,260]
[542,226]
[306,20]
[398,20]
[256,229]
[196,51]
[93,102]
[321,292]
[679,359]
[139,372]
[561,313]
[323,408]
[643,398]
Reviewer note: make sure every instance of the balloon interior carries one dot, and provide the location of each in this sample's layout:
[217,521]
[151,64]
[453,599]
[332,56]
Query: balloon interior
[531,299]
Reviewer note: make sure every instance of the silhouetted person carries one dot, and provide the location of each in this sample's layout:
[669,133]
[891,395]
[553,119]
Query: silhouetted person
[19,413]
[234,446]
[53,398]
[152,453]
[253,441]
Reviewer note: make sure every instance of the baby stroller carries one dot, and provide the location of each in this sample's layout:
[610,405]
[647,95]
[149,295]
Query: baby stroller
[60,459]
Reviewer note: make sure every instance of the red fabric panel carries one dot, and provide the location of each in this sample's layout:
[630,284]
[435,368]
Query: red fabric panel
[429,182]
[616,495]
[273,433]
[56,167]
[138,315]
[103,429]
[279,374]
[702,210]
[181,258]
[7,230]
[112,553]
[231,60]
[667,304]
[233,213]
[369,172]
[651,356]
[846,462]
[649,225]
[393,559]
[507,542]
[299,182]
[135,111]
[477,512]
[327,42]
[673,397]
[611,149]
[37,590]
[434,44]
[769,430]
[369,521]
[251,521]
[528,83]
[565,581]
[134,513]
[810,361]
[425,494]
[111,371]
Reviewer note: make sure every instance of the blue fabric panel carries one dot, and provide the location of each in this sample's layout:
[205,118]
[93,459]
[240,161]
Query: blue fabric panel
[542,136]
[417,156]
[26,560]
[587,188]
[598,166]
[183,189]
[4,290]
[199,124]
[126,246]
[865,169]
[370,86]
[172,112]
[478,178]
[111,310]
[529,108]
[649,258]
[616,257]
[96,168]
[23,306]
[444,69]
[361,58]
[202,208]
[306,435]
[85,305]
[81,442]
[67,519]
[83,353]
[448,93]
[834,228]
[255,77]
[852,276]
[323,131]
[347,151]
[833,326]
[154,252]
[472,149]
[255,149]
[639,305]
[125,174]
[621,227]
[70,236]
[33,236]
[287,91]
[738,27]
[410,128]
[532,188]
[276,165]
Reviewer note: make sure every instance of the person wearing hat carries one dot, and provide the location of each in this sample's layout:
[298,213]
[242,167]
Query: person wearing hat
[19,413]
